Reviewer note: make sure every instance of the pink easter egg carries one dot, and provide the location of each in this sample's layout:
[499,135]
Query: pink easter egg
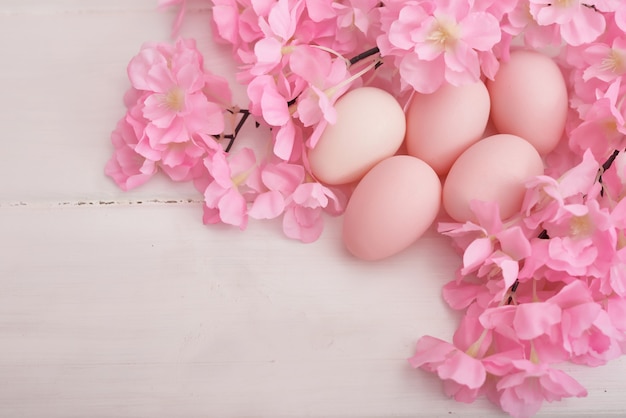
[370,127]
[391,207]
[443,124]
[529,99]
[493,169]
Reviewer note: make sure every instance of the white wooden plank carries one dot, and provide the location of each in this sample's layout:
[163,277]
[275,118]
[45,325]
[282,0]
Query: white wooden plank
[82,6]
[62,96]
[131,310]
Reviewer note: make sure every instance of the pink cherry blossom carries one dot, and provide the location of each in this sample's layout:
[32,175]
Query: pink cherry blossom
[450,364]
[578,22]
[494,247]
[278,29]
[606,62]
[586,329]
[174,120]
[176,107]
[433,42]
[236,22]
[546,196]
[520,21]
[327,80]
[280,180]
[126,167]
[303,213]
[604,124]
[343,27]
[269,99]
[226,197]
[522,391]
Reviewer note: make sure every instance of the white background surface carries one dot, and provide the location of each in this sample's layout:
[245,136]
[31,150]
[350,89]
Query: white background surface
[118,304]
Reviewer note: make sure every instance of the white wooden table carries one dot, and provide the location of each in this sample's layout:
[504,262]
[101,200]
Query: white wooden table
[118,304]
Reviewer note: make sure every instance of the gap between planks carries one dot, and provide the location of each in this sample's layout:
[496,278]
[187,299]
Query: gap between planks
[108,202]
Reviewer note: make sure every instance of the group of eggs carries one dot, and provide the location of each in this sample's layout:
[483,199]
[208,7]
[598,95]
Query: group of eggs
[478,141]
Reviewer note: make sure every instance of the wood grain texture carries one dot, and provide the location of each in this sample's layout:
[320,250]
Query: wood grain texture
[124,305]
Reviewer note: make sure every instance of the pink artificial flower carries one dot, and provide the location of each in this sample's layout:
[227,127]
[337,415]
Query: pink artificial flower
[578,22]
[176,107]
[604,126]
[269,98]
[459,294]
[522,391]
[126,167]
[278,30]
[545,196]
[327,80]
[226,197]
[280,180]
[303,212]
[493,248]
[433,42]
[583,237]
[605,62]
[354,22]
[466,373]
[173,118]
[520,21]
[236,22]
[586,330]
[499,319]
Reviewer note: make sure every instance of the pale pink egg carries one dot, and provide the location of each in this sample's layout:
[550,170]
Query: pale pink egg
[443,124]
[370,127]
[391,207]
[493,169]
[529,99]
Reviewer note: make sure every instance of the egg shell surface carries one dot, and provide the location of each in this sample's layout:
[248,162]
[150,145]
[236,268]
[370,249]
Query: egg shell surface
[493,169]
[391,207]
[370,127]
[443,124]
[529,99]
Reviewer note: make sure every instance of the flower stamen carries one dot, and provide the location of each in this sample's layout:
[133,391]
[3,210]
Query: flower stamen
[614,62]
[445,33]
[580,226]
[175,99]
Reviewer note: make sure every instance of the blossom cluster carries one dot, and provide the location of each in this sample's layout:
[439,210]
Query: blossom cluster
[542,288]
[180,121]
[545,286]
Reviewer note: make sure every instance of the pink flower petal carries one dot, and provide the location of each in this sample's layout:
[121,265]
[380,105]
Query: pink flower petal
[424,76]
[464,370]
[268,205]
[514,243]
[476,253]
[283,177]
[304,224]
[268,52]
[585,27]
[430,350]
[232,207]
[274,105]
[461,295]
[480,30]
[284,141]
[535,319]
